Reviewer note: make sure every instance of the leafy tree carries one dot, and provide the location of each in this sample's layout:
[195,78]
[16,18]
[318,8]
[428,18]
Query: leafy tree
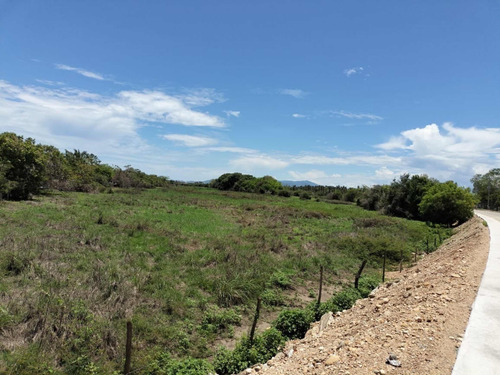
[22,170]
[487,189]
[405,195]
[447,203]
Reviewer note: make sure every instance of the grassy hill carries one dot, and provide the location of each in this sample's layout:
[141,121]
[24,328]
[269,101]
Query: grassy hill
[185,264]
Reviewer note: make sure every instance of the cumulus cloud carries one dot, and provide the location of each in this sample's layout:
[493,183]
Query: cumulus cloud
[447,151]
[190,140]
[232,113]
[355,70]
[83,72]
[296,93]
[358,116]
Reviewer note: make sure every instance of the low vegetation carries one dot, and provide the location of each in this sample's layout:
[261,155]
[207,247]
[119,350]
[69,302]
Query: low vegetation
[184,264]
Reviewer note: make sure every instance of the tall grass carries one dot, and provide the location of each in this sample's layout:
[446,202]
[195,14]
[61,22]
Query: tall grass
[74,267]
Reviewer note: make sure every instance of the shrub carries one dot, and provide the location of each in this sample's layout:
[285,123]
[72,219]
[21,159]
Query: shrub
[281,279]
[294,324]
[163,364]
[217,320]
[284,193]
[345,299]
[272,297]
[367,284]
[305,195]
[246,354]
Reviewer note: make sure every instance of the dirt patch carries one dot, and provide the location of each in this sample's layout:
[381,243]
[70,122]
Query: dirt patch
[420,317]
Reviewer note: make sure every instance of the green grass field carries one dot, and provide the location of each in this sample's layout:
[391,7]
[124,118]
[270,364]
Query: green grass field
[184,264]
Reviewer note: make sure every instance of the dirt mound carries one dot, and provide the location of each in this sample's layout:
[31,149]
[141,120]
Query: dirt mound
[419,317]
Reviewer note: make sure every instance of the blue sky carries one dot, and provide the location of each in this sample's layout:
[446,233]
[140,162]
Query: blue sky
[336,92]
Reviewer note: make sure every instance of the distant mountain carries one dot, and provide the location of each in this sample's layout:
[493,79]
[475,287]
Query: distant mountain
[298,183]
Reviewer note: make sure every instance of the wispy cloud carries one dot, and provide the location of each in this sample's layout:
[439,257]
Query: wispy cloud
[354,70]
[296,93]
[358,116]
[254,162]
[58,115]
[236,150]
[49,83]
[83,72]
[232,113]
[190,140]
[298,115]
[201,97]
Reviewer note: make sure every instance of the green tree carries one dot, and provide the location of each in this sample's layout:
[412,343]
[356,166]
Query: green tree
[487,189]
[447,203]
[405,195]
[22,171]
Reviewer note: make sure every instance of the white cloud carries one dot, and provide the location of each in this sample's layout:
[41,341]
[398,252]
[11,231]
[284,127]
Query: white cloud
[105,125]
[348,160]
[159,107]
[253,162]
[447,152]
[313,175]
[298,115]
[358,116]
[296,93]
[190,140]
[232,113]
[237,150]
[355,70]
[81,71]
[201,97]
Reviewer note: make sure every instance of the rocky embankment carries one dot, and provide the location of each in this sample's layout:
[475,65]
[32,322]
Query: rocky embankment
[418,318]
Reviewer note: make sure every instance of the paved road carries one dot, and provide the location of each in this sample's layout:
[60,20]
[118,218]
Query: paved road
[480,349]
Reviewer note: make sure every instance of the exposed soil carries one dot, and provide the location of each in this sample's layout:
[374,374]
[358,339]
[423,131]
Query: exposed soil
[419,316]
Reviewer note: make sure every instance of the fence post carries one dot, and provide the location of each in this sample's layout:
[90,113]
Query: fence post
[383,269]
[255,318]
[358,275]
[320,284]
[128,349]
[401,260]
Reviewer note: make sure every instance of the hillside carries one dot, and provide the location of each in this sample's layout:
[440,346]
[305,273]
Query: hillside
[184,264]
[419,316]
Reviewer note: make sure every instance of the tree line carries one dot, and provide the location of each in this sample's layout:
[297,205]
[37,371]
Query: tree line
[27,168]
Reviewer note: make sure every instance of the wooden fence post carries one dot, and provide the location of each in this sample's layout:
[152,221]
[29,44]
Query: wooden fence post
[255,318]
[128,349]
[320,284]
[401,260]
[358,275]
[383,269]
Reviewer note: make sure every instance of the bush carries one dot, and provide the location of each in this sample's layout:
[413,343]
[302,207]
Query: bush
[281,279]
[366,284]
[284,193]
[272,297]
[245,354]
[163,364]
[345,299]
[294,324]
[217,320]
[447,203]
[305,195]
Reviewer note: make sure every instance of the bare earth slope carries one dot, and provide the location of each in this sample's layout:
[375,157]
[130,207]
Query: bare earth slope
[420,317]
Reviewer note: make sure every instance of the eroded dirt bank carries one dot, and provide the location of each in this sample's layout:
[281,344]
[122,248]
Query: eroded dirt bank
[419,316]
